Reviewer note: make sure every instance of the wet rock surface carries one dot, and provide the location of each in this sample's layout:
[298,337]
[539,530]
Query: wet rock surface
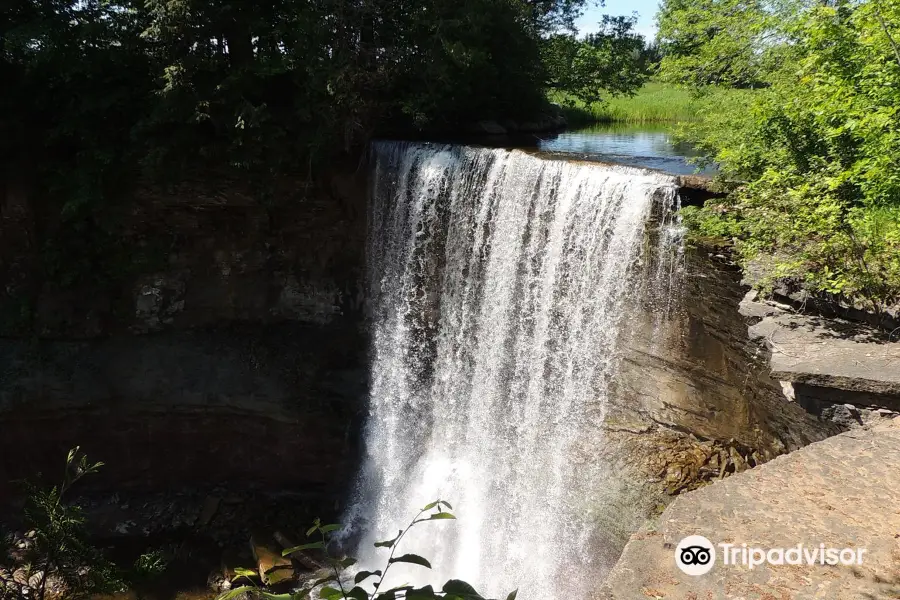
[842,492]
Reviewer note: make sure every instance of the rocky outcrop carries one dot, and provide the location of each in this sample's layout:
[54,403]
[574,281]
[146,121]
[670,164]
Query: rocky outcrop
[838,370]
[841,492]
[227,346]
[693,401]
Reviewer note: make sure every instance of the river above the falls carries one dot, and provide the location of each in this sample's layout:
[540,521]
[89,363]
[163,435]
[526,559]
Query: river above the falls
[648,146]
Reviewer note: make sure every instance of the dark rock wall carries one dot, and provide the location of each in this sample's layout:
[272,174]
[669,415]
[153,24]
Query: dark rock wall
[228,348]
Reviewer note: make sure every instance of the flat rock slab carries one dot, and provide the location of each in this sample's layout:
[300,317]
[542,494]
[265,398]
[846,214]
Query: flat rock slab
[843,492]
[826,352]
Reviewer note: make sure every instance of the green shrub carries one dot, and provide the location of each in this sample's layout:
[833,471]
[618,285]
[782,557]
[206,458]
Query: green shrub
[333,586]
[58,548]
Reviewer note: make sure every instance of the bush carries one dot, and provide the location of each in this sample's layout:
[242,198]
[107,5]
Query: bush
[57,554]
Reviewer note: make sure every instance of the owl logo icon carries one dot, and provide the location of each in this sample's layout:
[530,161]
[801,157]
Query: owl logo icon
[695,555]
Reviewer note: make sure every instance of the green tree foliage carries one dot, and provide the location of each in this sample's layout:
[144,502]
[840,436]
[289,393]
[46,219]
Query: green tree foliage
[366,585]
[817,150]
[101,94]
[97,92]
[727,42]
[610,62]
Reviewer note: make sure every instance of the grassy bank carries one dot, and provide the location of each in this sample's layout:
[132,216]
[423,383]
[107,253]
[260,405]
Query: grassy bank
[655,102]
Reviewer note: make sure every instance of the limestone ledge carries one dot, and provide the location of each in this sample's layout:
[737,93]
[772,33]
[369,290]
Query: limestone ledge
[842,492]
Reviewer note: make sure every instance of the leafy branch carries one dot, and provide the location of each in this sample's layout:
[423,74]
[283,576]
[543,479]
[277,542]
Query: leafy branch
[453,589]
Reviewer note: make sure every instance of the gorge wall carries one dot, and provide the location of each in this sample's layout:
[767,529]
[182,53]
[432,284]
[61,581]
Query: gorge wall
[233,349]
[234,354]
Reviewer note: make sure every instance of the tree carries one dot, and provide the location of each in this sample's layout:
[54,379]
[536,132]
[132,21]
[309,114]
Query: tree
[609,62]
[723,42]
[818,150]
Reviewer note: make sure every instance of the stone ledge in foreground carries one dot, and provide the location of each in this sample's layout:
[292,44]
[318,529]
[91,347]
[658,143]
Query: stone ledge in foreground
[843,492]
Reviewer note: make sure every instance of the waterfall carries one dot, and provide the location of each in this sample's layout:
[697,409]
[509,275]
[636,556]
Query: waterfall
[499,285]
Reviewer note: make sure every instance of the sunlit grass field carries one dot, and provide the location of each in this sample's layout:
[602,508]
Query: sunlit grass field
[655,102]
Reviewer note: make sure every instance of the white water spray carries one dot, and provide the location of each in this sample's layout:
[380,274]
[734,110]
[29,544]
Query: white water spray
[499,283]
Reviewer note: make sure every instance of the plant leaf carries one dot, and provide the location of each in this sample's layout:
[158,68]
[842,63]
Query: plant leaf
[389,543]
[329,593]
[460,588]
[363,575]
[447,504]
[236,592]
[348,562]
[425,593]
[242,572]
[414,559]
[440,515]
[431,505]
[512,595]
[357,593]
[330,528]
[312,546]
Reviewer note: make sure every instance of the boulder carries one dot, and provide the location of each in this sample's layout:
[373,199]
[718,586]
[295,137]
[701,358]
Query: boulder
[274,569]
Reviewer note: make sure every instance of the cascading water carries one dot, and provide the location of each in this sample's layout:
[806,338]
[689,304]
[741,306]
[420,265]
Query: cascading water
[499,284]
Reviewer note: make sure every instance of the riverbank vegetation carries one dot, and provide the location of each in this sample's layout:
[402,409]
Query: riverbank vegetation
[654,102]
[814,146]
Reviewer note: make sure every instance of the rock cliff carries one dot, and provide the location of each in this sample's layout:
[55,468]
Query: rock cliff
[226,347]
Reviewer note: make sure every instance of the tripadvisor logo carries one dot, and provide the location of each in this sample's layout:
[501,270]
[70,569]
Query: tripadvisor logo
[696,555]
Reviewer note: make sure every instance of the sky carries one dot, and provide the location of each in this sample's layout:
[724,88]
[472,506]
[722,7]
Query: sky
[646,10]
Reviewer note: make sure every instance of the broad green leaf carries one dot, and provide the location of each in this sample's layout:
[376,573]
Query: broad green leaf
[311,546]
[315,527]
[242,572]
[413,559]
[363,575]
[389,543]
[447,504]
[302,593]
[330,528]
[236,592]
[460,588]
[357,593]
[348,562]
[440,515]
[431,505]
[329,593]
[424,593]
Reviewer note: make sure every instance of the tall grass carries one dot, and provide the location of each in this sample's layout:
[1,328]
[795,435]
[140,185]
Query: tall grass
[655,102]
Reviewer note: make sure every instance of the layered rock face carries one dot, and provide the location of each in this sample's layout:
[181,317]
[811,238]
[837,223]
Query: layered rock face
[228,347]
[694,401]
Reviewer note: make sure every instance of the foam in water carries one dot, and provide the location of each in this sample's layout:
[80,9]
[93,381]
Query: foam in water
[499,283]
